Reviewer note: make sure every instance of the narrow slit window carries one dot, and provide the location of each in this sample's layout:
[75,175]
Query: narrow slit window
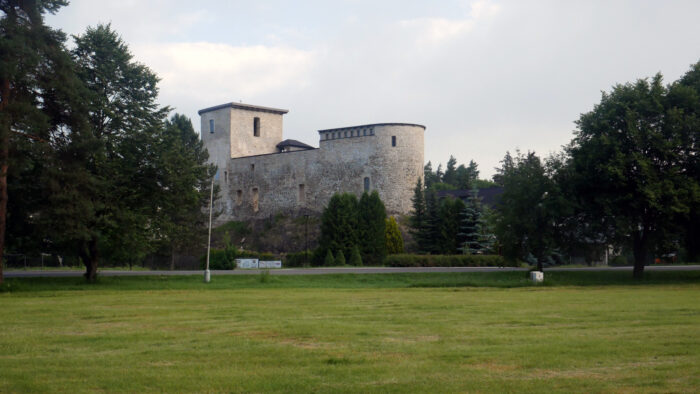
[256,127]
[211,126]
[255,199]
[226,176]
[364,132]
[393,140]
[239,197]
[252,167]
[366,183]
[302,194]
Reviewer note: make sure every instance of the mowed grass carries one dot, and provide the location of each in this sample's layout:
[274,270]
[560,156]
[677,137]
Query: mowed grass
[358,333]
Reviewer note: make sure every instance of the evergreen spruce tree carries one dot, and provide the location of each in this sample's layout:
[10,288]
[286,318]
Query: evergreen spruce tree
[431,231]
[372,228]
[340,258]
[329,260]
[450,176]
[418,220]
[355,258]
[394,241]
[449,225]
[339,224]
[471,236]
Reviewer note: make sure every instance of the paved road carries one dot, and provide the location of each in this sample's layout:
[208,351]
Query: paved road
[323,271]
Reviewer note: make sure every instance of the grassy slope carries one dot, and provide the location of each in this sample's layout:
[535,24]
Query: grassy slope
[351,333]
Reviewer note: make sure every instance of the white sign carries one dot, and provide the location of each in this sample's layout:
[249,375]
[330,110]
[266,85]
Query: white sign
[247,263]
[270,264]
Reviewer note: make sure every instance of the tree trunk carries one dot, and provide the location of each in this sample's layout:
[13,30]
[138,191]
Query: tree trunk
[4,160]
[90,258]
[641,251]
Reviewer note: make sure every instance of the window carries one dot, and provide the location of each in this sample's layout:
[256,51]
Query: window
[256,127]
[346,134]
[366,183]
[326,135]
[211,126]
[226,176]
[302,194]
[364,132]
[255,199]
[252,167]
[393,140]
[371,131]
[239,197]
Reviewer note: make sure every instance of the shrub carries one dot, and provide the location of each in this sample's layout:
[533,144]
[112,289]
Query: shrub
[299,259]
[355,258]
[437,260]
[340,258]
[329,260]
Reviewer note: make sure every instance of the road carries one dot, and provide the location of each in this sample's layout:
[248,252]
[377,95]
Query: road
[324,271]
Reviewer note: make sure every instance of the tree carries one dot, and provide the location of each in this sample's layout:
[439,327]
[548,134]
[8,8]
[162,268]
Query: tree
[36,83]
[355,258]
[340,258]
[474,239]
[105,187]
[430,177]
[394,241]
[450,176]
[418,221]
[329,260]
[633,156]
[339,224]
[371,228]
[183,178]
[527,215]
[448,225]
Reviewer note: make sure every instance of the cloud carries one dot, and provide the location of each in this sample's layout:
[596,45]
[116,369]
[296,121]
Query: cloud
[211,73]
[437,30]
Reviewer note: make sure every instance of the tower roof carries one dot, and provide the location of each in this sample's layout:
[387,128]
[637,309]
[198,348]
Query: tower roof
[248,107]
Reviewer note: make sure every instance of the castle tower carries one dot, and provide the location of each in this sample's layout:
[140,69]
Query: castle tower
[236,130]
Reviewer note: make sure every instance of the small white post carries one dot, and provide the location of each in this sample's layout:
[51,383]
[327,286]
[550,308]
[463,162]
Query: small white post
[537,276]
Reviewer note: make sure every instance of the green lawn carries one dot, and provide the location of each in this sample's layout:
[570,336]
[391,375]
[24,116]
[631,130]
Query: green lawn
[354,333]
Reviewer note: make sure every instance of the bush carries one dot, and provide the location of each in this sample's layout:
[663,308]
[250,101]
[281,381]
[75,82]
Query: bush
[436,260]
[299,259]
[355,258]
[340,258]
[329,260]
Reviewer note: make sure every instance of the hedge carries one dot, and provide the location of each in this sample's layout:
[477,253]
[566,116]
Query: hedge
[437,260]
[298,259]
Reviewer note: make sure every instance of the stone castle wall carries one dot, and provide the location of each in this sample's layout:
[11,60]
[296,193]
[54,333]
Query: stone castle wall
[384,157]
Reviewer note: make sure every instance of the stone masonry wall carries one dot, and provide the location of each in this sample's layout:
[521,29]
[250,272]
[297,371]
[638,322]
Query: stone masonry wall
[271,182]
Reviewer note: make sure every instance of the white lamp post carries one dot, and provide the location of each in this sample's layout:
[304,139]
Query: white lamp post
[207,273]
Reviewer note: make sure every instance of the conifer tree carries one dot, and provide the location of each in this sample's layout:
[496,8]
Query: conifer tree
[340,258]
[394,241]
[472,237]
[449,225]
[419,220]
[355,258]
[431,231]
[371,228]
[339,224]
[329,260]
[37,89]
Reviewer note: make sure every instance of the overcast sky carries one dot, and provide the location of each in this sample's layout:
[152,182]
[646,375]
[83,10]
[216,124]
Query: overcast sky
[484,77]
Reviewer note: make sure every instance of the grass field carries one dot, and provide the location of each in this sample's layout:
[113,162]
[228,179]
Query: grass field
[475,332]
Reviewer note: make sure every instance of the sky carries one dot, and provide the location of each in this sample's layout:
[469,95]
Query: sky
[484,76]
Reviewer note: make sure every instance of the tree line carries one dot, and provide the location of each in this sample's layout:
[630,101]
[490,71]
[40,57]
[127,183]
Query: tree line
[90,164]
[629,179]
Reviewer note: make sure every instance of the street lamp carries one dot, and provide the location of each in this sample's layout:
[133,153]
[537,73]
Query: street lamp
[207,273]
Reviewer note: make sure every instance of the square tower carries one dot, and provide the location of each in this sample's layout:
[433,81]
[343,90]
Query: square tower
[236,130]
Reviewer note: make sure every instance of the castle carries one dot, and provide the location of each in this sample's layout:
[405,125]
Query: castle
[260,174]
